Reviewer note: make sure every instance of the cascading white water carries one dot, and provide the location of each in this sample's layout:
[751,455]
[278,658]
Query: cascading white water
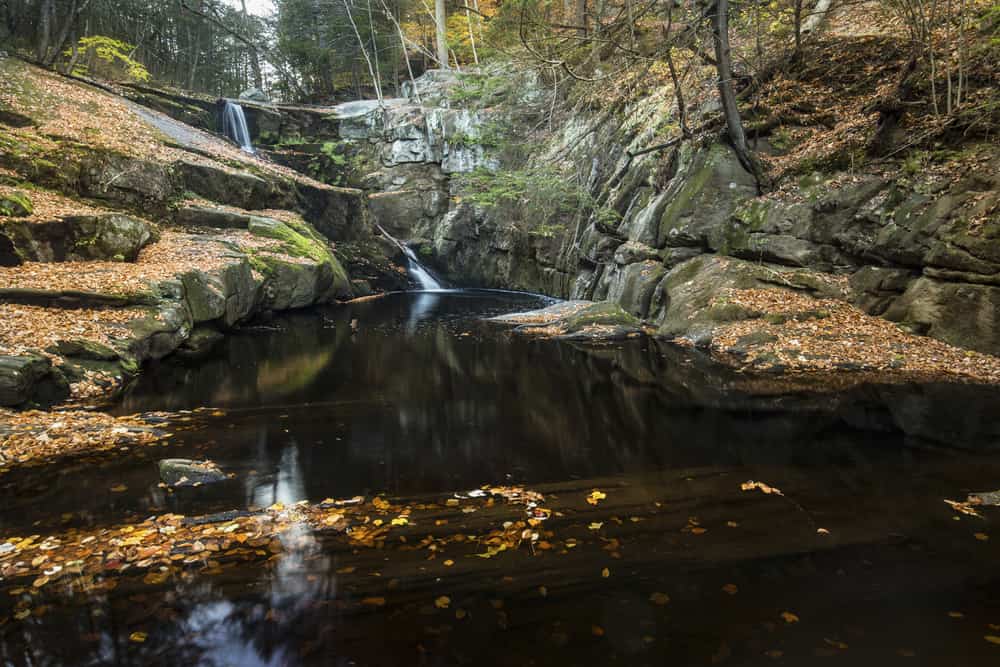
[419,271]
[234,126]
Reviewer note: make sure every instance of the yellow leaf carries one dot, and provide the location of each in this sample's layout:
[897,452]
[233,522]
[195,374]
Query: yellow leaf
[373,602]
[659,599]
[596,496]
[956,614]
[442,602]
[40,581]
[449,563]
[698,530]
[760,486]
[993,639]
[789,617]
[605,573]
[460,614]
[596,525]
[400,521]
[982,537]
[732,589]
[138,637]
[118,488]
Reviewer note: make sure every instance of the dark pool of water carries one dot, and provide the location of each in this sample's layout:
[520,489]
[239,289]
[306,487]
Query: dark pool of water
[415,395]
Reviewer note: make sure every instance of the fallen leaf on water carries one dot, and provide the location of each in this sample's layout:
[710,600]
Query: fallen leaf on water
[822,531]
[442,602]
[155,578]
[597,630]
[400,521]
[596,496]
[138,637]
[774,653]
[346,570]
[373,602]
[659,598]
[118,488]
[836,644]
[993,639]
[460,614]
[982,537]
[543,591]
[789,617]
[605,573]
[40,581]
[956,614]
[698,530]
[732,589]
[760,486]
[964,508]
[596,525]
[449,563]
[732,524]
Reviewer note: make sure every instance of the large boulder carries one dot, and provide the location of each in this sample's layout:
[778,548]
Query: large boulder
[30,379]
[108,237]
[963,314]
[691,299]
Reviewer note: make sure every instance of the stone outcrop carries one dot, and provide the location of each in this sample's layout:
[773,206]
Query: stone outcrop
[112,237]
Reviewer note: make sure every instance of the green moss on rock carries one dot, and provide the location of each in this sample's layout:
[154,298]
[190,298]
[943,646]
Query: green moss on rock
[16,204]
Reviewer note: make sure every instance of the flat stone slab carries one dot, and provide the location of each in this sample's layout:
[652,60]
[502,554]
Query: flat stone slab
[576,321]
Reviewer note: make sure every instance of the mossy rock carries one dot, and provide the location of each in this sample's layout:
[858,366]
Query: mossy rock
[16,204]
[30,379]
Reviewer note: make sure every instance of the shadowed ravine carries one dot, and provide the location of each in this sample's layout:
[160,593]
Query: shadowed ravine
[414,396]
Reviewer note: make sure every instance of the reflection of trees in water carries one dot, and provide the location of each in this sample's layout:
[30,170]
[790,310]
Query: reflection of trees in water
[406,400]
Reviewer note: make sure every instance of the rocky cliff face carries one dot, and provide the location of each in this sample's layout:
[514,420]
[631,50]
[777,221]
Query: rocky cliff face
[918,247]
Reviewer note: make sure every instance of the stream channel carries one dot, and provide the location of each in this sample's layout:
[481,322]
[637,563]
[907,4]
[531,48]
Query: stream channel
[859,561]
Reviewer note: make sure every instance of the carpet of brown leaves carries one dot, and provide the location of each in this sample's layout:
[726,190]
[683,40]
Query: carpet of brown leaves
[49,205]
[27,329]
[824,335]
[174,254]
[37,437]
[67,110]
[164,546]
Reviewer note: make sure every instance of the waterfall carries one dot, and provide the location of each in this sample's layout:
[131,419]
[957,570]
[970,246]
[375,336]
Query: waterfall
[420,272]
[234,125]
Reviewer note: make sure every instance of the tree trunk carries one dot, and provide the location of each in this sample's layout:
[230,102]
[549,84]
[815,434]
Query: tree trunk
[44,29]
[727,93]
[258,79]
[75,9]
[441,35]
[581,17]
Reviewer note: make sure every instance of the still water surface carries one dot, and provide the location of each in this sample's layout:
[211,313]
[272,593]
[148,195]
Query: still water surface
[415,396]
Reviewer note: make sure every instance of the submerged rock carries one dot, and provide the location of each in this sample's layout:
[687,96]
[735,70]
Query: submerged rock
[187,472]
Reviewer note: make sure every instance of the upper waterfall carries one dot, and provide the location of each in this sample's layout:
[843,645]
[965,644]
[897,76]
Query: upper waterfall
[234,125]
